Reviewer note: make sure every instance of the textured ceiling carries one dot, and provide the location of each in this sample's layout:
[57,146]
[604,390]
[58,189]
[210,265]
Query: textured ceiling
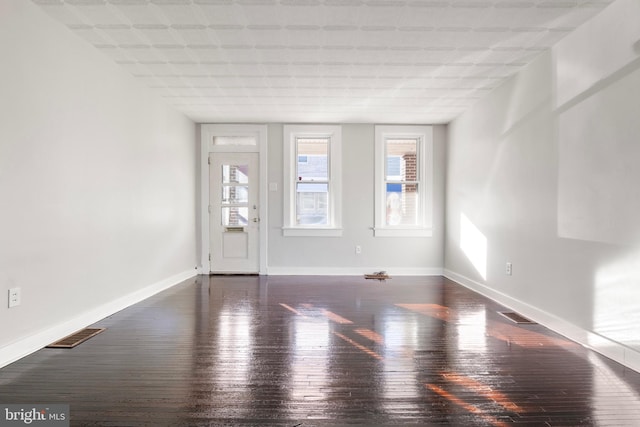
[369,61]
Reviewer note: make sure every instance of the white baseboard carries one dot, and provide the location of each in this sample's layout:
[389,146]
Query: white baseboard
[351,271]
[611,349]
[32,343]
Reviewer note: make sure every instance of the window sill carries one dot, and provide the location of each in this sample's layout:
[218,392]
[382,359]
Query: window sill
[403,232]
[311,232]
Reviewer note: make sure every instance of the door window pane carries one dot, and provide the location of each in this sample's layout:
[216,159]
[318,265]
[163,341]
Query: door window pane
[235,216]
[235,194]
[235,174]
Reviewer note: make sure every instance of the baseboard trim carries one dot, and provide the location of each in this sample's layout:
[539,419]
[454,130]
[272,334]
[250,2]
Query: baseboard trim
[606,347]
[32,343]
[350,271]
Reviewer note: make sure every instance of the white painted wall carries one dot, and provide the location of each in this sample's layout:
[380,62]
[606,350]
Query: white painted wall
[97,184]
[336,255]
[544,172]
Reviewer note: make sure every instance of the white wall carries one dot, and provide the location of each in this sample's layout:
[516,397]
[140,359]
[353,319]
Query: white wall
[97,184]
[543,173]
[336,255]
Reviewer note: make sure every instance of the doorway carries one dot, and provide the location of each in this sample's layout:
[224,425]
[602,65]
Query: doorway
[233,220]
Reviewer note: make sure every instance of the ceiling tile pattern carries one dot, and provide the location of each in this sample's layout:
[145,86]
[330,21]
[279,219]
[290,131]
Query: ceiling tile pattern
[369,61]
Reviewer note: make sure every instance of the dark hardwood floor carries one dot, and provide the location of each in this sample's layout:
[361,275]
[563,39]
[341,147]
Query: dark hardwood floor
[324,351]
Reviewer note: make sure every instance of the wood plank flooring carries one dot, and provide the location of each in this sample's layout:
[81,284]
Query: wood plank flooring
[324,351]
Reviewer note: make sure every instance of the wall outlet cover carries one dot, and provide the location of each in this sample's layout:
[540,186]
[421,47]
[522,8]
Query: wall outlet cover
[14,297]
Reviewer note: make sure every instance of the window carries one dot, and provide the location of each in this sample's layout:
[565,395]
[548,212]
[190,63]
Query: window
[403,181]
[312,185]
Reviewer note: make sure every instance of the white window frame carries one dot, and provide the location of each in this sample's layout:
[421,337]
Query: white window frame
[424,135]
[333,228]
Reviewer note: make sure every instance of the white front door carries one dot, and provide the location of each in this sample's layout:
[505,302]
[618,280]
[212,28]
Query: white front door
[234,221]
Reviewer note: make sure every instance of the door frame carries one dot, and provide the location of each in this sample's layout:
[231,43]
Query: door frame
[207,147]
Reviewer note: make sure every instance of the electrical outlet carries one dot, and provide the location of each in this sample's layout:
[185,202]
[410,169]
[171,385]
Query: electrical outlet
[14,297]
[509,269]
[358,249]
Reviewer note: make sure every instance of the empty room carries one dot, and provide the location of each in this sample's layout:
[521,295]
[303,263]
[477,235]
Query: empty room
[319,212]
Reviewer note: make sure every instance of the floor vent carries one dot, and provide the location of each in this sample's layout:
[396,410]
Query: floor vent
[516,318]
[76,338]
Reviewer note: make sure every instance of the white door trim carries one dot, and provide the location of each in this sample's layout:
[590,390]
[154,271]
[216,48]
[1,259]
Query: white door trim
[207,133]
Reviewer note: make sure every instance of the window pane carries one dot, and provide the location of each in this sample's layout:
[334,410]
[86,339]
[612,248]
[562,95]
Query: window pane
[394,168]
[401,160]
[234,140]
[312,204]
[313,160]
[402,204]
[235,174]
[235,216]
[235,194]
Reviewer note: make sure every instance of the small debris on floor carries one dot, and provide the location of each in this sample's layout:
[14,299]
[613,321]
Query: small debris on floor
[379,275]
